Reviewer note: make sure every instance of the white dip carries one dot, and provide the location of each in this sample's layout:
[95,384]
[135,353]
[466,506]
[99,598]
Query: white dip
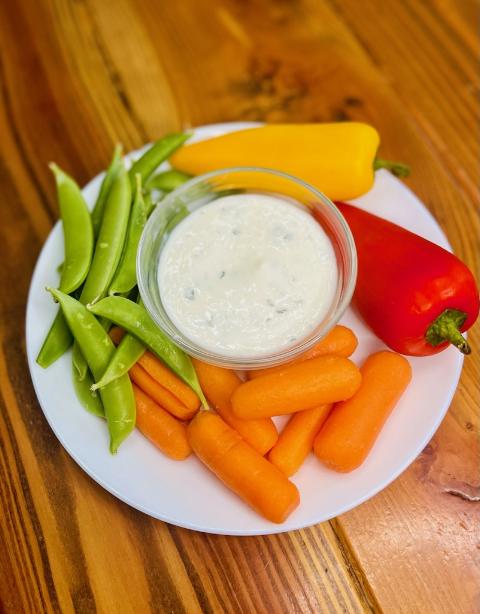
[247,275]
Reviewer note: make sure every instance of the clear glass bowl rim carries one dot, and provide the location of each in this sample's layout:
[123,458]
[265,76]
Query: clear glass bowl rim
[282,356]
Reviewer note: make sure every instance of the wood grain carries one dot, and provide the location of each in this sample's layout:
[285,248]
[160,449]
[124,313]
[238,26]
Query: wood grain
[78,76]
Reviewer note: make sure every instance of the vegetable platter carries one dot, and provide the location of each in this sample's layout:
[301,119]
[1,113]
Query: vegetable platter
[185,493]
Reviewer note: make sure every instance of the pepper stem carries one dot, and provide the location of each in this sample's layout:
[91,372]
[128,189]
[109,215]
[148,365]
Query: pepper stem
[447,328]
[396,168]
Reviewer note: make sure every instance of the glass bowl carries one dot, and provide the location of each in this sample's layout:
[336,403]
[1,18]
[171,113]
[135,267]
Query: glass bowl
[202,190]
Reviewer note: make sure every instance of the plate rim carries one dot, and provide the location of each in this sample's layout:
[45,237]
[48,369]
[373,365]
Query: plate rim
[274,529]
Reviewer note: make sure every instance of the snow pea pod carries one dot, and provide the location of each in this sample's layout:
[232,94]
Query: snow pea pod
[108,250]
[126,277]
[98,209]
[58,340]
[161,150]
[98,349]
[129,351]
[160,185]
[77,231]
[134,318]
[149,204]
[89,399]
[111,239]
[168,180]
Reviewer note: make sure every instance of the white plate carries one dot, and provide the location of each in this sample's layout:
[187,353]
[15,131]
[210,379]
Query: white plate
[185,493]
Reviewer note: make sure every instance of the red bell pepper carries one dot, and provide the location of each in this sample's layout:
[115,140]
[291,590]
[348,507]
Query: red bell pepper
[416,296]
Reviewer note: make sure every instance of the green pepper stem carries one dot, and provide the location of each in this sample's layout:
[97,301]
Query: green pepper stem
[396,168]
[447,328]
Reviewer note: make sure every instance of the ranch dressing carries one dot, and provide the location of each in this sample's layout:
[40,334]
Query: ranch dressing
[247,275]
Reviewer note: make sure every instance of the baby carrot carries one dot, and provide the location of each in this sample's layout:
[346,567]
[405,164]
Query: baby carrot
[218,385]
[296,440]
[340,341]
[159,394]
[166,378]
[303,385]
[351,429]
[163,430]
[241,468]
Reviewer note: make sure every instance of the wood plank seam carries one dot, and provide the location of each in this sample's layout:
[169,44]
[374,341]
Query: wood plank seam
[320,599]
[208,541]
[355,569]
[192,573]
[162,587]
[332,590]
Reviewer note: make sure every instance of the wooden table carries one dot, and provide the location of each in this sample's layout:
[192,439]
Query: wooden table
[78,76]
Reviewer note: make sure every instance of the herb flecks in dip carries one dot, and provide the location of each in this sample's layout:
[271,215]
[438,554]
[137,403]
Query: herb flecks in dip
[247,275]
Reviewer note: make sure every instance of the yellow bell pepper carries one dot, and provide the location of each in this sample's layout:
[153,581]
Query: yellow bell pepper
[338,159]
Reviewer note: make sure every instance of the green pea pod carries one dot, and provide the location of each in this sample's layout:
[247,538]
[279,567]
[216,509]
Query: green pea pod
[126,276]
[78,361]
[149,204]
[77,231]
[98,209]
[108,250]
[167,181]
[164,182]
[90,399]
[159,152]
[129,351]
[58,340]
[134,318]
[111,239]
[98,349]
